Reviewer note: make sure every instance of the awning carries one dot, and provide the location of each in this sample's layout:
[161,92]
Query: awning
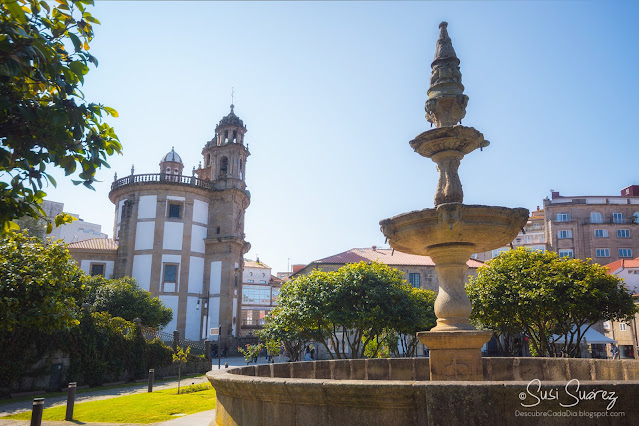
[591,337]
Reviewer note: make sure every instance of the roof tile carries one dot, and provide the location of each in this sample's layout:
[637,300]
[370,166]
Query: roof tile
[94,244]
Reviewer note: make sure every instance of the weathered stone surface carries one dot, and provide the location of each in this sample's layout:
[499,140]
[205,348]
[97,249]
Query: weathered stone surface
[249,400]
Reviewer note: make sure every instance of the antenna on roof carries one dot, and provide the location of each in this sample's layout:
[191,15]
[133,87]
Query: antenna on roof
[232,94]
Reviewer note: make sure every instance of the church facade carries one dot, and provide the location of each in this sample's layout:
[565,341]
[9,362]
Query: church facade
[182,237]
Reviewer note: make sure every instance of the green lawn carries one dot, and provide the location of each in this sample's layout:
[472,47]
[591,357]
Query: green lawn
[138,408]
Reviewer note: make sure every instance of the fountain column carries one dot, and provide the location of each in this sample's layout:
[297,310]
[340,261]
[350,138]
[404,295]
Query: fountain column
[451,232]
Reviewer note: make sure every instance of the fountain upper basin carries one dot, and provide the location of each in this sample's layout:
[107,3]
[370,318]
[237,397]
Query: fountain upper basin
[481,228]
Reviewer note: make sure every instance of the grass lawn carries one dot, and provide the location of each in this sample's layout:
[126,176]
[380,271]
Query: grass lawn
[138,408]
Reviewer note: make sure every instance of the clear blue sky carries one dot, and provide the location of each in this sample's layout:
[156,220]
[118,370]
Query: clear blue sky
[331,93]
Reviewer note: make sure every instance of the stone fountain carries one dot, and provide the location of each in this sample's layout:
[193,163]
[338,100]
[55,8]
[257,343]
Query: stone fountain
[455,385]
[452,231]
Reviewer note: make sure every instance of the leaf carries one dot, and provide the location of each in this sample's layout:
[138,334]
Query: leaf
[77,44]
[111,111]
[16,11]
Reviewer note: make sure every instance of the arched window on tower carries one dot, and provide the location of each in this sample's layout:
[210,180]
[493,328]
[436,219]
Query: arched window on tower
[208,160]
[226,136]
[224,166]
[241,174]
[234,136]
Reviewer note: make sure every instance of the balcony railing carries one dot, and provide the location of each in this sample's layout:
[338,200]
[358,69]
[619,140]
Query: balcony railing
[162,178]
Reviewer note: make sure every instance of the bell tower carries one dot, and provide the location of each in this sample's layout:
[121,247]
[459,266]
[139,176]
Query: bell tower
[224,166]
[225,155]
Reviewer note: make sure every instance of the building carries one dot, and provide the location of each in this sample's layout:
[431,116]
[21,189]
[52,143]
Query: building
[182,237]
[601,228]
[259,295]
[418,270]
[78,230]
[95,256]
[532,237]
[625,333]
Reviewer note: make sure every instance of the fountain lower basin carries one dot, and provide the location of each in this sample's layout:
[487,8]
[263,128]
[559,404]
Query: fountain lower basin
[398,391]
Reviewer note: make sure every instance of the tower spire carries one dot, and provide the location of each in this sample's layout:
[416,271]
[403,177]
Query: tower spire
[446,104]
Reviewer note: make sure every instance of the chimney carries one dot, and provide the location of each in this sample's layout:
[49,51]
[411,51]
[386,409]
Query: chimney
[554,194]
[374,248]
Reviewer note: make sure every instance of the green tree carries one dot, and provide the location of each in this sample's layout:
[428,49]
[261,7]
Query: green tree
[124,298]
[545,297]
[44,118]
[352,310]
[39,289]
[39,285]
[181,357]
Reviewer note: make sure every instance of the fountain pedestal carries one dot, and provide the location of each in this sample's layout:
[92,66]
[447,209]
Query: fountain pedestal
[455,355]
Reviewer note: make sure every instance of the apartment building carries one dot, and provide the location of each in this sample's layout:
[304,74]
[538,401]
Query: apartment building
[601,228]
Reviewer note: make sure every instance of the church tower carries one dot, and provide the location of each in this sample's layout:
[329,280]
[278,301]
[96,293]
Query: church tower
[182,237]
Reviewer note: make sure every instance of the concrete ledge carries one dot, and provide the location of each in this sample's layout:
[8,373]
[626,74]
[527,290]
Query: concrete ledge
[395,391]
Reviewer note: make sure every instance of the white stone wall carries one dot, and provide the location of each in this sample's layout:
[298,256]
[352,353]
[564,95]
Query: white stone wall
[144,235]
[85,265]
[142,270]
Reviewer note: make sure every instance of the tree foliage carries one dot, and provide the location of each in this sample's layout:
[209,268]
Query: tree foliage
[44,118]
[351,310]
[124,298]
[39,285]
[545,297]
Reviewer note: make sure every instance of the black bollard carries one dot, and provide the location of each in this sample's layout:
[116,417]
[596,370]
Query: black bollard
[151,374]
[36,413]
[70,401]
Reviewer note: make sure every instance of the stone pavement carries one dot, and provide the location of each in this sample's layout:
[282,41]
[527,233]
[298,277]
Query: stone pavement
[8,407]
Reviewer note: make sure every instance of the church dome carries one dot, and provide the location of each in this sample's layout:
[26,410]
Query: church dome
[231,119]
[172,156]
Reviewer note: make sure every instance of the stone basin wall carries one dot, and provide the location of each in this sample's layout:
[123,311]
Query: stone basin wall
[398,392]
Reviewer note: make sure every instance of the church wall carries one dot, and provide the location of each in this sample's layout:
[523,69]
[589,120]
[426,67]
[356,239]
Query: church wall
[196,275]
[193,315]
[147,207]
[85,265]
[142,270]
[172,303]
[144,233]
[173,234]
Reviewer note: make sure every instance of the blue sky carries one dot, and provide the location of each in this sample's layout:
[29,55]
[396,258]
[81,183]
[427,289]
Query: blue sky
[332,92]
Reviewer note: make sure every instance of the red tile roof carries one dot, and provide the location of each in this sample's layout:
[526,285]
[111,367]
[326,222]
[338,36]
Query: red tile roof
[95,244]
[385,256]
[621,264]
[254,264]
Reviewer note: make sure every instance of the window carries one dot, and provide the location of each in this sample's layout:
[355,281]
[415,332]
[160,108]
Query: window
[274,293]
[625,252]
[596,217]
[623,326]
[566,233]
[97,269]
[251,273]
[414,279]
[617,217]
[601,233]
[250,281]
[606,325]
[562,217]
[224,165]
[174,210]
[169,281]
[623,233]
[602,252]
[256,294]
[263,281]
[566,253]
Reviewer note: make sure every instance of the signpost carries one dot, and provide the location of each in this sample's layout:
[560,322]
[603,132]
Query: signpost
[218,332]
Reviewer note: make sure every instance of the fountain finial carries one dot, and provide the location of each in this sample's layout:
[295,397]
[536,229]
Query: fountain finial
[446,104]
